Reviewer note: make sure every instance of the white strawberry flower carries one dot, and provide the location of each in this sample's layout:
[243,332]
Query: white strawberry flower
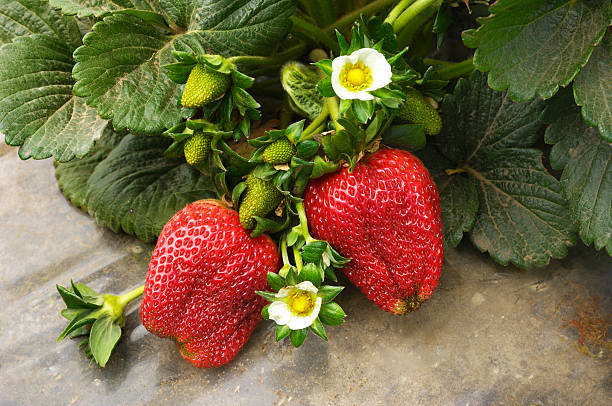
[297,306]
[354,75]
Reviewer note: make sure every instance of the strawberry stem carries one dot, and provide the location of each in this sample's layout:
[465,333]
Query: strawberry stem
[456,70]
[303,222]
[283,247]
[314,33]
[128,297]
[397,10]
[312,128]
[412,12]
[334,111]
[298,259]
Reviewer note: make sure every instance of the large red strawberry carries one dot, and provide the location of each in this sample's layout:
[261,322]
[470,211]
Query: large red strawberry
[201,284]
[385,217]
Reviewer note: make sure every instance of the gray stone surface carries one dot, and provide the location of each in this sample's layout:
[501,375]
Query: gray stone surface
[489,335]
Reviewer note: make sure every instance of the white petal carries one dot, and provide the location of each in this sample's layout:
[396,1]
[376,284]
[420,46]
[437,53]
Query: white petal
[280,313]
[380,68]
[284,292]
[300,322]
[307,286]
[362,95]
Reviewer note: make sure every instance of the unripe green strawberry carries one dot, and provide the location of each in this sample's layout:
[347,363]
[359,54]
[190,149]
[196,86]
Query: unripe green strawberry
[261,197]
[279,152]
[197,148]
[416,110]
[203,86]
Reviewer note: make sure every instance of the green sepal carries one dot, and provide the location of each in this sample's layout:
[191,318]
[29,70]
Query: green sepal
[282,332]
[265,313]
[311,272]
[293,235]
[269,296]
[298,337]
[325,87]
[81,331]
[313,251]
[332,314]
[307,149]
[105,334]
[70,314]
[328,293]
[292,278]
[276,281]
[242,80]
[344,46]
[82,319]
[330,274]
[322,167]
[74,301]
[237,193]
[284,271]
[318,329]
[325,65]
[345,105]
[363,110]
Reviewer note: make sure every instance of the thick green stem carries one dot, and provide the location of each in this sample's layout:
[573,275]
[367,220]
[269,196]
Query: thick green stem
[334,111]
[278,59]
[367,10]
[303,222]
[413,11]
[128,297]
[440,62]
[456,70]
[397,10]
[315,33]
[312,128]
[298,259]
[284,253]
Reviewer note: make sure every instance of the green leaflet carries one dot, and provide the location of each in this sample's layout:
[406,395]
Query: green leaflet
[38,109]
[523,44]
[300,83]
[519,215]
[132,187]
[586,160]
[593,88]
[26,17]
[134,90]
[97,8]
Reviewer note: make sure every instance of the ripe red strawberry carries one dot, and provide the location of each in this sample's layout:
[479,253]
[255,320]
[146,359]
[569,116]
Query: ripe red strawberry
[201,284]
[385,217]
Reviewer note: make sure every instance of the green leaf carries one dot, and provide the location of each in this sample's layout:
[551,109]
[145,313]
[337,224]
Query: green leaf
[593,88]
[72,176]
[531,47]
[332,314]
[318,329]
[105,334]
[97,8]
[137,189]
[300,83]
[521,216]
[26,17]
[282,332]
[298,337]
[587,176]
[133,89]
[38,110]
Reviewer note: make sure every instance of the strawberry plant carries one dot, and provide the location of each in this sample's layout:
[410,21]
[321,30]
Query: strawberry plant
[270,146]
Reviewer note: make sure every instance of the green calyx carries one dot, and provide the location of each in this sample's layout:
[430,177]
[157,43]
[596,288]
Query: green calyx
[197,148]
[279,152]
[417,110]
[99,317]
[203,86]
[261,197]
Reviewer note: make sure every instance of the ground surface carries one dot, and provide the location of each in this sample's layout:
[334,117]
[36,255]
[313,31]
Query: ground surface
[489,335]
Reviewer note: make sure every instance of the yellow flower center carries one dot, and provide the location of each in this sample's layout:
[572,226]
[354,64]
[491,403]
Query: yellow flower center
[355,77]
[301,302]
